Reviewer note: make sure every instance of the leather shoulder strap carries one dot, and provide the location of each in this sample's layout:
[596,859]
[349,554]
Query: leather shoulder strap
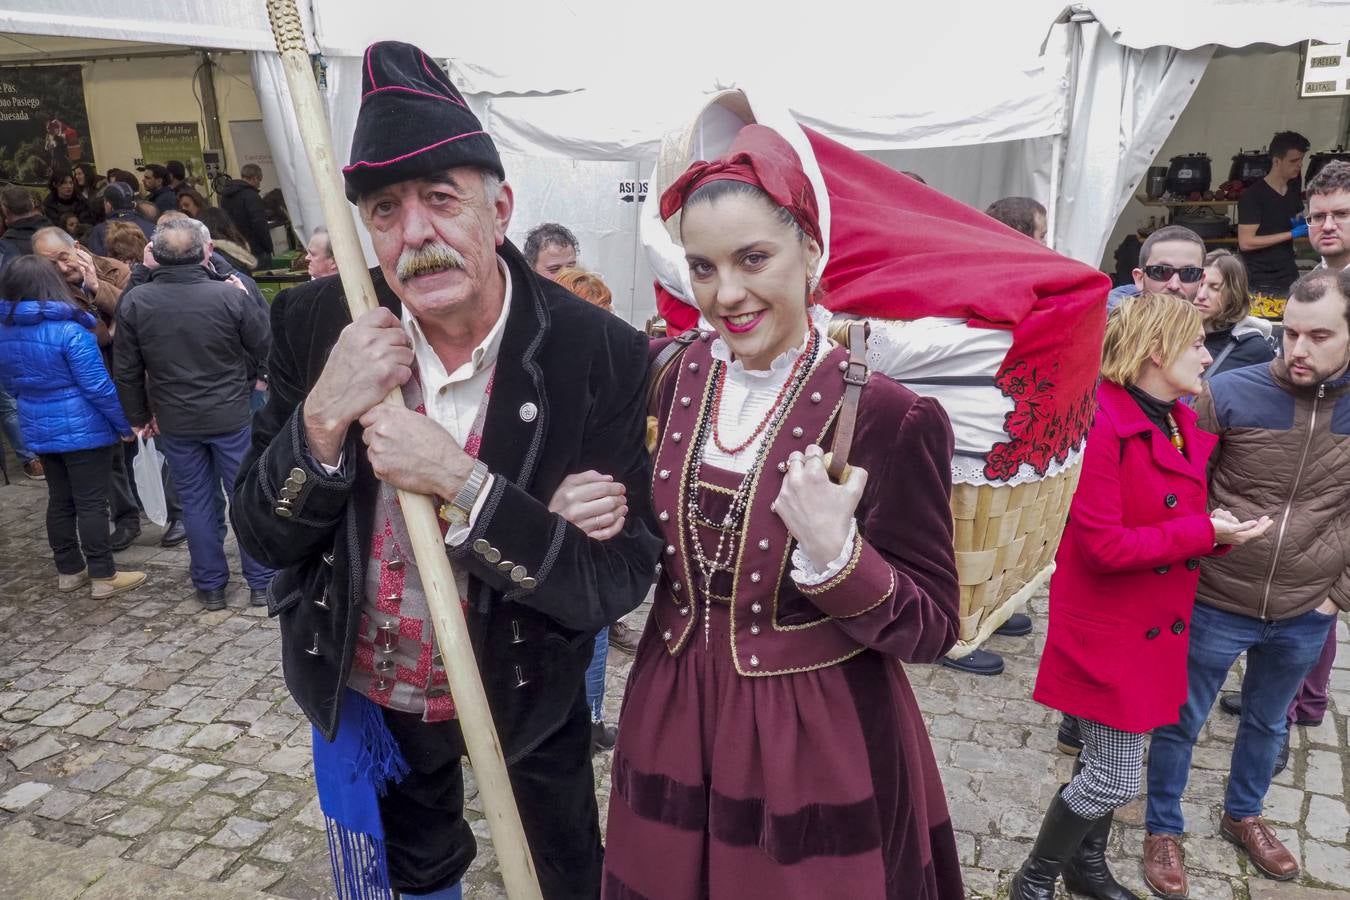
[661,364]
[855,376]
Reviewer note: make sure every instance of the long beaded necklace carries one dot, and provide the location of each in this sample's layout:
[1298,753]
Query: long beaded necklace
[1177,440]
[764,422]
[732,520]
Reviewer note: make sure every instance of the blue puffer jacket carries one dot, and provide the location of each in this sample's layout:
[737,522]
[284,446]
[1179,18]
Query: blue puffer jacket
[49,361]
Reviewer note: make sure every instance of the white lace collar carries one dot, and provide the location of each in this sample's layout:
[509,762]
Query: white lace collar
[819,319]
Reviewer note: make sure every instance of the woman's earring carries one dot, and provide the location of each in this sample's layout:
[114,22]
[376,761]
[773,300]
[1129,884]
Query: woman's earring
[812,282]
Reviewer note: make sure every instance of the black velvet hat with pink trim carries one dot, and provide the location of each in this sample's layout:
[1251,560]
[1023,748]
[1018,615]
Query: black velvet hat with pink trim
[412,122]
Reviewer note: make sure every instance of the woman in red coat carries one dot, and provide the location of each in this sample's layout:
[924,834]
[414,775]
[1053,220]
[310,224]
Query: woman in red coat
[1124,584]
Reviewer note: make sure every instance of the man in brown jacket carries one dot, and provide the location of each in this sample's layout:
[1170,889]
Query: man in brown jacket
[1282,452]
[1329,230]
[97,280]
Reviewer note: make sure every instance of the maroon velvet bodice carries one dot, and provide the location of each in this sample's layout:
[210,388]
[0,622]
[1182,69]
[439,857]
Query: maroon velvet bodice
[775,629]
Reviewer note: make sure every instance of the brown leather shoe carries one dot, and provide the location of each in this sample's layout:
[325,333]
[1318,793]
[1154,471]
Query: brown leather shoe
[1263,847]
[621,637]
[1164,869]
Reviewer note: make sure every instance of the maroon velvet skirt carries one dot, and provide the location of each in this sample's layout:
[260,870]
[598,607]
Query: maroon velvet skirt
[811,785]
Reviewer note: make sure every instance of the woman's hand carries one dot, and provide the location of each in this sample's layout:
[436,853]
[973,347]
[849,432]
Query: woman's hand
[816,511]
[1228,530]
[595,503]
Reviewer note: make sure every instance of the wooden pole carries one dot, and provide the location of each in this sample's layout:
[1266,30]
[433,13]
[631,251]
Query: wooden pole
[452,633]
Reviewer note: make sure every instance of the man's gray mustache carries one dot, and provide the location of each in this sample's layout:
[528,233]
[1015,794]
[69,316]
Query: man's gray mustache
[426,260]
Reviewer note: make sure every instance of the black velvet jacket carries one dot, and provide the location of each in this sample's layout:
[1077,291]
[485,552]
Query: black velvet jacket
[584,370]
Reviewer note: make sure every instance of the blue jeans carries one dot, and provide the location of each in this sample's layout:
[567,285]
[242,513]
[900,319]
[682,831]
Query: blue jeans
[1279,656]
[9,422]
[201,465]
[453,892]
[595,677]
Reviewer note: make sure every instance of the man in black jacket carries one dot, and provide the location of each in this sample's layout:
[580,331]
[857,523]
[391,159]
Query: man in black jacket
[243,204]
[175,532]
[119,205]
[155,180]
[194,337]
[514,384]
[23,218]
[177,176]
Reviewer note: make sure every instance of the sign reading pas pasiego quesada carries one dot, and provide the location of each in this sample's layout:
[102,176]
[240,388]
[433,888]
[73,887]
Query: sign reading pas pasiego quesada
[43,122]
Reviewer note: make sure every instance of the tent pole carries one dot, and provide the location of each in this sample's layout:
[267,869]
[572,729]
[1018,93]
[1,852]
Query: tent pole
[419,513]
[210,111]
[1052,207]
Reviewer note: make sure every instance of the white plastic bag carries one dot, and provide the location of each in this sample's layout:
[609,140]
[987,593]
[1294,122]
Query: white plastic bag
[148,468]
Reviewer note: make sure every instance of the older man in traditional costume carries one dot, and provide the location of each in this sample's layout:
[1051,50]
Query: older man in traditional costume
[510,383]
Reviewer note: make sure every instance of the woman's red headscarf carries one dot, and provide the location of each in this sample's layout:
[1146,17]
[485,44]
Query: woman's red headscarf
[758,156]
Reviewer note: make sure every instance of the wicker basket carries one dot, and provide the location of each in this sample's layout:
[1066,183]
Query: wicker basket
[1006,539]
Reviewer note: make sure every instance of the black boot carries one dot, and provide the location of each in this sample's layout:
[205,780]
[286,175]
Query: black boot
[1062,831]
[1069,739]
[1087,872]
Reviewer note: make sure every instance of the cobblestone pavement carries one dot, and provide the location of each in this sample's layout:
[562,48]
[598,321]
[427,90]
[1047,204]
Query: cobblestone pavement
[145,729]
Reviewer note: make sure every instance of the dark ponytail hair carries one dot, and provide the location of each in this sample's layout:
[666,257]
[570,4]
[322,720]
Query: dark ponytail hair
[34,277]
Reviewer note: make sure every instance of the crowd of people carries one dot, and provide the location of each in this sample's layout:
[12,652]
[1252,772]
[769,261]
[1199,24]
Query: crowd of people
[769,745]
[163,301]
[84,204]
[113,218]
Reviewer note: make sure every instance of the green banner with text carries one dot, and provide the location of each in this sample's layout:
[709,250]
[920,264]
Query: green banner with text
[44,126]
[163,141]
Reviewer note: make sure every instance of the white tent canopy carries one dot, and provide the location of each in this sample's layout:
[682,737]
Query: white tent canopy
[579,99]
[969,73]
[1191,24]
[1124,104]
[603,96]
[1136,65]
[217,26]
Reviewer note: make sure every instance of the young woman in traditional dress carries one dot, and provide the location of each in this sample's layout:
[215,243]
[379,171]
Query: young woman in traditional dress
[770,745]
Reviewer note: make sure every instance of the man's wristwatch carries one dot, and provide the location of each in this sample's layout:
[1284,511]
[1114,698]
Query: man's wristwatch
[457,511]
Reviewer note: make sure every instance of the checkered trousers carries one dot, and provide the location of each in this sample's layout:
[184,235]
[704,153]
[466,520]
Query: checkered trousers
[1113,765]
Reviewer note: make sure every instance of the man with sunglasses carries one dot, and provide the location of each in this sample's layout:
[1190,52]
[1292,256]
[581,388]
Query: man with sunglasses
[1171,261]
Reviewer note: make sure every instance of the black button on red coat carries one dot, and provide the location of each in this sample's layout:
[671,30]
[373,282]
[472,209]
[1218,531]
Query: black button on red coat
[1192,564]
[1170,500]
[1163,570]
[1152,633]
[1178,626]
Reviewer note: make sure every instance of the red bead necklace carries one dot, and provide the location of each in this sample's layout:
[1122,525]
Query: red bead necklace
[788,383]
